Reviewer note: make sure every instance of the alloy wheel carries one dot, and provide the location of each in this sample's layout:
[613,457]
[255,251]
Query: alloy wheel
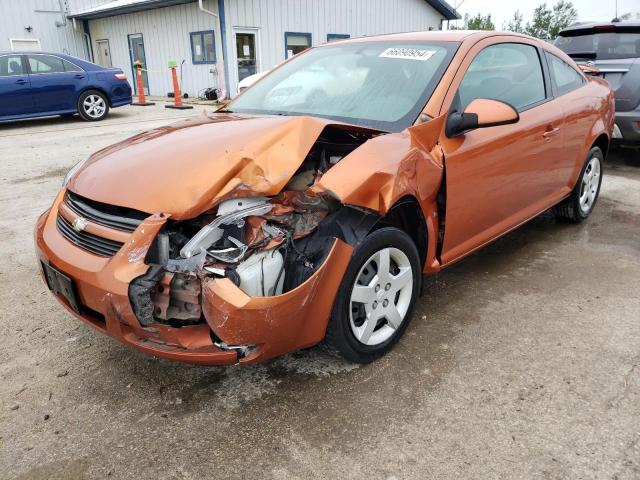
[590,185]
[94,106]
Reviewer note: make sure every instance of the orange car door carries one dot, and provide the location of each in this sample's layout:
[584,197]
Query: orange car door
[572,93]
[498,177]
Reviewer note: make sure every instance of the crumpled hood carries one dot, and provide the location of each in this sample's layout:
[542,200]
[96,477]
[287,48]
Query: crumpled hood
[186,168]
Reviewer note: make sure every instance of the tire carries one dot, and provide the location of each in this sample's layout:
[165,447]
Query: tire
[93,106]
[364,331]
[579,205]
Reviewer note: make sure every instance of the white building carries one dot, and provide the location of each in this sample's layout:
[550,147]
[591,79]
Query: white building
[217,42]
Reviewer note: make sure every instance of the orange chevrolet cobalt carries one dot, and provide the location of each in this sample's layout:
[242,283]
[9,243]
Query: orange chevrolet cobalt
[308,209]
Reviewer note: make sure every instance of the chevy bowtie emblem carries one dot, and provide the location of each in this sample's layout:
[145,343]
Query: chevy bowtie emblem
[79,224]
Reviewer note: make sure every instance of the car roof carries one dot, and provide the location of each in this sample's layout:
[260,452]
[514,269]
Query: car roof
[591,25]
[432,35]
[36,52]
[85,64]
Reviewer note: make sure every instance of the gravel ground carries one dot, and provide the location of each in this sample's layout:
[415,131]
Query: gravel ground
[523,361]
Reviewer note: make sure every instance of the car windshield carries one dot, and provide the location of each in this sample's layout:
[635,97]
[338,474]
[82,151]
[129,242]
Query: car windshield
[605,46]
[381,85]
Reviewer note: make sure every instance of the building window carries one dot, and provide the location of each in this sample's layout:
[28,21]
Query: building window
[295,43]
[203,48]
[332,37]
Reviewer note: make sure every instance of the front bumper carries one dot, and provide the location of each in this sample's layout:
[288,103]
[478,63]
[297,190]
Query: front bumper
[628,124]
[271,326]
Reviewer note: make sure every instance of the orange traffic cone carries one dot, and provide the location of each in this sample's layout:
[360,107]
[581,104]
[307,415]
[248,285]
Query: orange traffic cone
[142,102]
[177,94]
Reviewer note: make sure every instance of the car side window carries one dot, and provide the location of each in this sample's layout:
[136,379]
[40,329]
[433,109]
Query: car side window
[11,65]
[509,72]
[70,67]
[45,64]
[564,77]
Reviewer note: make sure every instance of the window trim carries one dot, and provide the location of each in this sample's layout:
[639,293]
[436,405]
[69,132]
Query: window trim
[26,60]
[288,34]
[552,83]
[338,36]
[201,34]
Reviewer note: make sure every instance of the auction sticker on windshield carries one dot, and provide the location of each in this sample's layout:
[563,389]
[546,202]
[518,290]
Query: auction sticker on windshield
[408,53]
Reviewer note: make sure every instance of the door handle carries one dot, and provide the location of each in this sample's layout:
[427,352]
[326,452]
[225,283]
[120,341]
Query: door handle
[79,76]
[550,133]
[22,81]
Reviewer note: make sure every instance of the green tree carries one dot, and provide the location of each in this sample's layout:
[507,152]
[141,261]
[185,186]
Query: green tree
[547,22]
[563,15]
[479,22]
[516,24]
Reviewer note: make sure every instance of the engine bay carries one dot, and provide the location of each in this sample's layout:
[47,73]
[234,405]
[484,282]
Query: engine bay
[265,246]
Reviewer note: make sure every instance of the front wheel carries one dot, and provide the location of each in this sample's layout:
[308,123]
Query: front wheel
[579,205]
[93,106]
[376,299]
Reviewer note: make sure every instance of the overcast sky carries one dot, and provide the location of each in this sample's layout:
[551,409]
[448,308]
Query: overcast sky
[502,10]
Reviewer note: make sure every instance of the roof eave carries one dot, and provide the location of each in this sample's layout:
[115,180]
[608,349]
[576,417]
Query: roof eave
[95,13]
[444,9]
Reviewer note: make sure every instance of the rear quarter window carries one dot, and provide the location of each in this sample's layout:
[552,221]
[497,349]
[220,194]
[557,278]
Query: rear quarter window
[45,64]
[564,77]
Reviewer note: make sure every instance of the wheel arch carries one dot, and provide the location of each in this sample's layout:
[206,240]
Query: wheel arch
[403,215]
[602,142]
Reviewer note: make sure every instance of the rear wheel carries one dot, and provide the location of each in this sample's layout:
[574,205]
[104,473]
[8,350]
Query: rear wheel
[579,205]
[93,106]
[376,299]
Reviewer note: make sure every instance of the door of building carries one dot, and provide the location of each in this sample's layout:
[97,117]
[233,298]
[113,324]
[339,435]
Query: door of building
[103,55]
[136,55]
[247,58]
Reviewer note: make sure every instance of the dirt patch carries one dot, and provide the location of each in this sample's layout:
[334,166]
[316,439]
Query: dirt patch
[56,172]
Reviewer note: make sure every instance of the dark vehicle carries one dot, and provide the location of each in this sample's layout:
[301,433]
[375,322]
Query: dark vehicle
[614,48]
[36,84]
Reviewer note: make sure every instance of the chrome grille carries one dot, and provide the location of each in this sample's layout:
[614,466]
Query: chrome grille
[111,216]
[92,243]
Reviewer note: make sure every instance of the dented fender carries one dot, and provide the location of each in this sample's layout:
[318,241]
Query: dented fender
[388,167]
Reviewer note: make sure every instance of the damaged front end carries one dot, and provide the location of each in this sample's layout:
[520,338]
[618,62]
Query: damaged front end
[261,271]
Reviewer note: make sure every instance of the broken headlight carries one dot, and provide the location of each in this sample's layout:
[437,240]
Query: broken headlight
[231,212]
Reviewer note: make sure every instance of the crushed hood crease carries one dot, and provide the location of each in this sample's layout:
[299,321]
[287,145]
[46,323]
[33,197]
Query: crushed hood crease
[233,155]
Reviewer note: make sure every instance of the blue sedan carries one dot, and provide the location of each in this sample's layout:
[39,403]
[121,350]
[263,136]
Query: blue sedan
[35,84]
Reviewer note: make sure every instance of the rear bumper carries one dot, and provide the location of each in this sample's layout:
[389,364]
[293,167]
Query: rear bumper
[121,102]
[628,124]
[269,326]
[120,95]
